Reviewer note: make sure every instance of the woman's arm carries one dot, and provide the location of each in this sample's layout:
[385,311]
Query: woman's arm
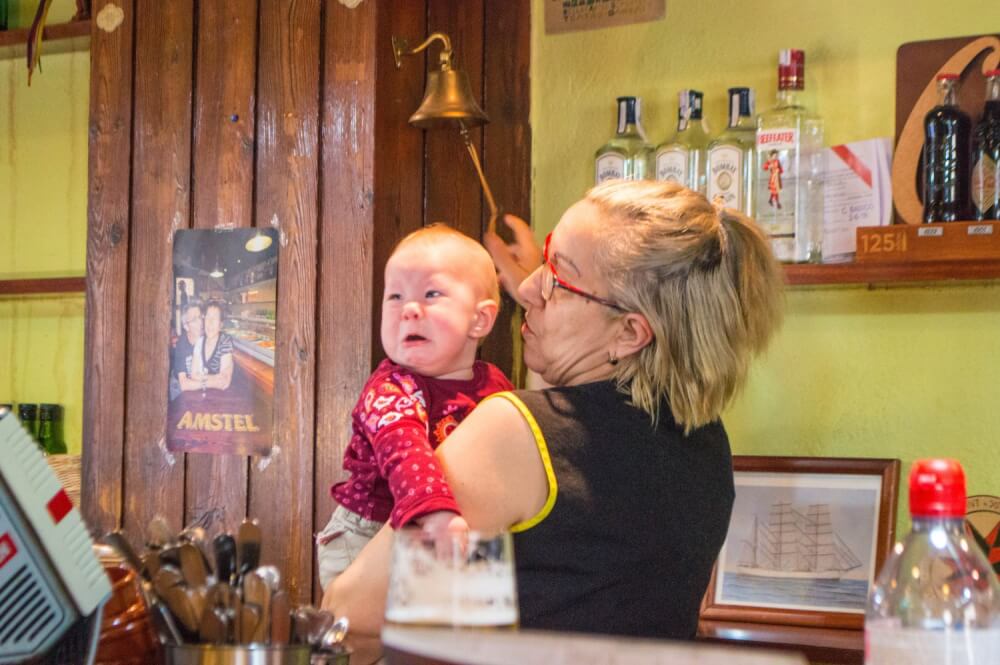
[495,472]
[221,380]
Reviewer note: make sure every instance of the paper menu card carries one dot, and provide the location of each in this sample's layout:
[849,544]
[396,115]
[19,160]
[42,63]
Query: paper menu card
[857,191]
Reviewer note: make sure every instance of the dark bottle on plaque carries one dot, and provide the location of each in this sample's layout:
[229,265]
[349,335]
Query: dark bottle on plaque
[985,184]
[627,155]
[947,133]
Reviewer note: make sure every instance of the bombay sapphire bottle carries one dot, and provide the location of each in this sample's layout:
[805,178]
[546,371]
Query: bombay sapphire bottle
[730,163]
[627,154]
[682,157]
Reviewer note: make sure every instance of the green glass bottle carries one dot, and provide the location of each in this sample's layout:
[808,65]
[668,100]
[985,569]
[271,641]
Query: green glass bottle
[3,15]
[50,429]
[28,415]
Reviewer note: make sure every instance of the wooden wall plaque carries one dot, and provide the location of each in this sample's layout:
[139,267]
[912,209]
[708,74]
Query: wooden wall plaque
[917,65]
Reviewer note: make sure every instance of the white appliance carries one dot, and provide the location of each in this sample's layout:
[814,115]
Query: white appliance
[52,586]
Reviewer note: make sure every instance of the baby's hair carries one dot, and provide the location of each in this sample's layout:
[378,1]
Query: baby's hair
[479,258]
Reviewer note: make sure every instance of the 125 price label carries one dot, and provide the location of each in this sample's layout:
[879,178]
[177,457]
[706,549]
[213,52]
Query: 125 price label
[884,243]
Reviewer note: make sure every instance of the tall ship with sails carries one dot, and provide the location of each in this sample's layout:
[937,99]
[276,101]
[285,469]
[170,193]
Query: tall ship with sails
[796,545]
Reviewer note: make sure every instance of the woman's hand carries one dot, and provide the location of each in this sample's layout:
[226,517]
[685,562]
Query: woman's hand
[517,260]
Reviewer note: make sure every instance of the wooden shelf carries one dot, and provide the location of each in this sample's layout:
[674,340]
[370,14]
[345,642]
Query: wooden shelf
[820,645]
[57,38]
[891,272]
[20,287]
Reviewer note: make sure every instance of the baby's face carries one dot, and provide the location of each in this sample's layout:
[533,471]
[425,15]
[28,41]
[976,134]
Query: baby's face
[429,311]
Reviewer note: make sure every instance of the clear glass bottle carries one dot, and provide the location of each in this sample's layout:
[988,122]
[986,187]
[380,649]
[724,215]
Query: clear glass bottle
[985,185]
[947,135]
[936,600]
[789,168]
[682,157]
[731,162]
[627,155]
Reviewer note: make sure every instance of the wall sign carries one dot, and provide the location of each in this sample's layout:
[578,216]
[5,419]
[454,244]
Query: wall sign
[575,15]
[223,333]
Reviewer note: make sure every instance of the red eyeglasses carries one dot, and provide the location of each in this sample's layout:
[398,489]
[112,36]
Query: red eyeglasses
[551,279]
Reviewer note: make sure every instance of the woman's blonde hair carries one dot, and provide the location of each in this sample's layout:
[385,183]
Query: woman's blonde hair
[707,282]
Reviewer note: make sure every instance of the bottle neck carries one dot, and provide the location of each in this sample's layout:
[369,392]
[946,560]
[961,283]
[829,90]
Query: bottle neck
[947,93]
[952,525]
[993,89]
[789,97]
[743,122]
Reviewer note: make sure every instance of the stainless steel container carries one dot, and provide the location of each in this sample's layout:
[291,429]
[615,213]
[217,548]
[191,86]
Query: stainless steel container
[248,654]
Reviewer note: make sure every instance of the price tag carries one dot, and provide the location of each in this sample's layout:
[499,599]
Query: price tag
[981,230]
[930,232]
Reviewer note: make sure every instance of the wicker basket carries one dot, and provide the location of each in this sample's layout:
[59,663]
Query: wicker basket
[67,468]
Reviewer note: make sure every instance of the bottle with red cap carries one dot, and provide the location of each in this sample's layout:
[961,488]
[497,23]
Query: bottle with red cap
[947,133]
[789,168]
[936,600]
[986,153]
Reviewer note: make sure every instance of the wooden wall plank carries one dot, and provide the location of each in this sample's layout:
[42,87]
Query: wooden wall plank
[507,144]
[107,269]
[161,162]
[399,166]
[222,195]
[346,237]
[286,186]
[452,191]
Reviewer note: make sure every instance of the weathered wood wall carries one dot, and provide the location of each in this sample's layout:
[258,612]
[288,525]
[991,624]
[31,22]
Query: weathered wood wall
[286,113]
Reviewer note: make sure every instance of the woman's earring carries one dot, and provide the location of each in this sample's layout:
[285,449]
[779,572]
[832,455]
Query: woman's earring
[613,359]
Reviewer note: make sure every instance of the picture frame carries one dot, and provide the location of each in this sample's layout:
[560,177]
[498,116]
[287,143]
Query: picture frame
[807,537]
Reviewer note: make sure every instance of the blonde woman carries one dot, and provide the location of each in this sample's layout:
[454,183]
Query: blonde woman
[644,315]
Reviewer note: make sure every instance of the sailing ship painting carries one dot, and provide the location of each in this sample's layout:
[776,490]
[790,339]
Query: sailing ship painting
[804,547]
[796,544]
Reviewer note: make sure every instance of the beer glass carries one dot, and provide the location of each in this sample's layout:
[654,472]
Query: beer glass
[462,581]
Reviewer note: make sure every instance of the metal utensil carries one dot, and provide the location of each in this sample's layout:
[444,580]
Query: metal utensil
[118,541]
[257,593]
[271,576]
[280,618]
[224,547]
[335,634]
[159,534]
[248,540]
[192,565]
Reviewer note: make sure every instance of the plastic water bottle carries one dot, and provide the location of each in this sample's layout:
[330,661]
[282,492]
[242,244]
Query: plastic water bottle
[936,600]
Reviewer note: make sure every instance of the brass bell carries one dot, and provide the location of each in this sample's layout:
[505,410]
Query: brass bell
[449,102]
[448,99]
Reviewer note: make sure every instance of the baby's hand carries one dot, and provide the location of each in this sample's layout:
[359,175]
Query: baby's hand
[449,531]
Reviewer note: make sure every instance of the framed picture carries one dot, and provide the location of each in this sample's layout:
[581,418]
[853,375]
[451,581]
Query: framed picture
[806,539]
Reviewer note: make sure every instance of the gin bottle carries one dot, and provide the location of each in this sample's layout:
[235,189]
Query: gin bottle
[627,155]
[731,156]
[789,168]
[986,153]
[947,134]
[682,158]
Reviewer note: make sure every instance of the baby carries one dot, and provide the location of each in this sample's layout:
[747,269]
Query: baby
[441,299]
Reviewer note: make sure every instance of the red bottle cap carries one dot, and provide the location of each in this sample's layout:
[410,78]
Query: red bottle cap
[992,72]
[947,76]
[937,488]
[791,69]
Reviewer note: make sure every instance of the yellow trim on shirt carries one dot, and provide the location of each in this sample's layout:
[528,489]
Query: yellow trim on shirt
[543,451]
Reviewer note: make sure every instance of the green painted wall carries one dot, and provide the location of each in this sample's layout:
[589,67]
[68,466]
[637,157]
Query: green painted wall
[890,372]
[43,222]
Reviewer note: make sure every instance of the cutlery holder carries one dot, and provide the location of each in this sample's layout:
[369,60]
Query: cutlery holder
[249,654]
